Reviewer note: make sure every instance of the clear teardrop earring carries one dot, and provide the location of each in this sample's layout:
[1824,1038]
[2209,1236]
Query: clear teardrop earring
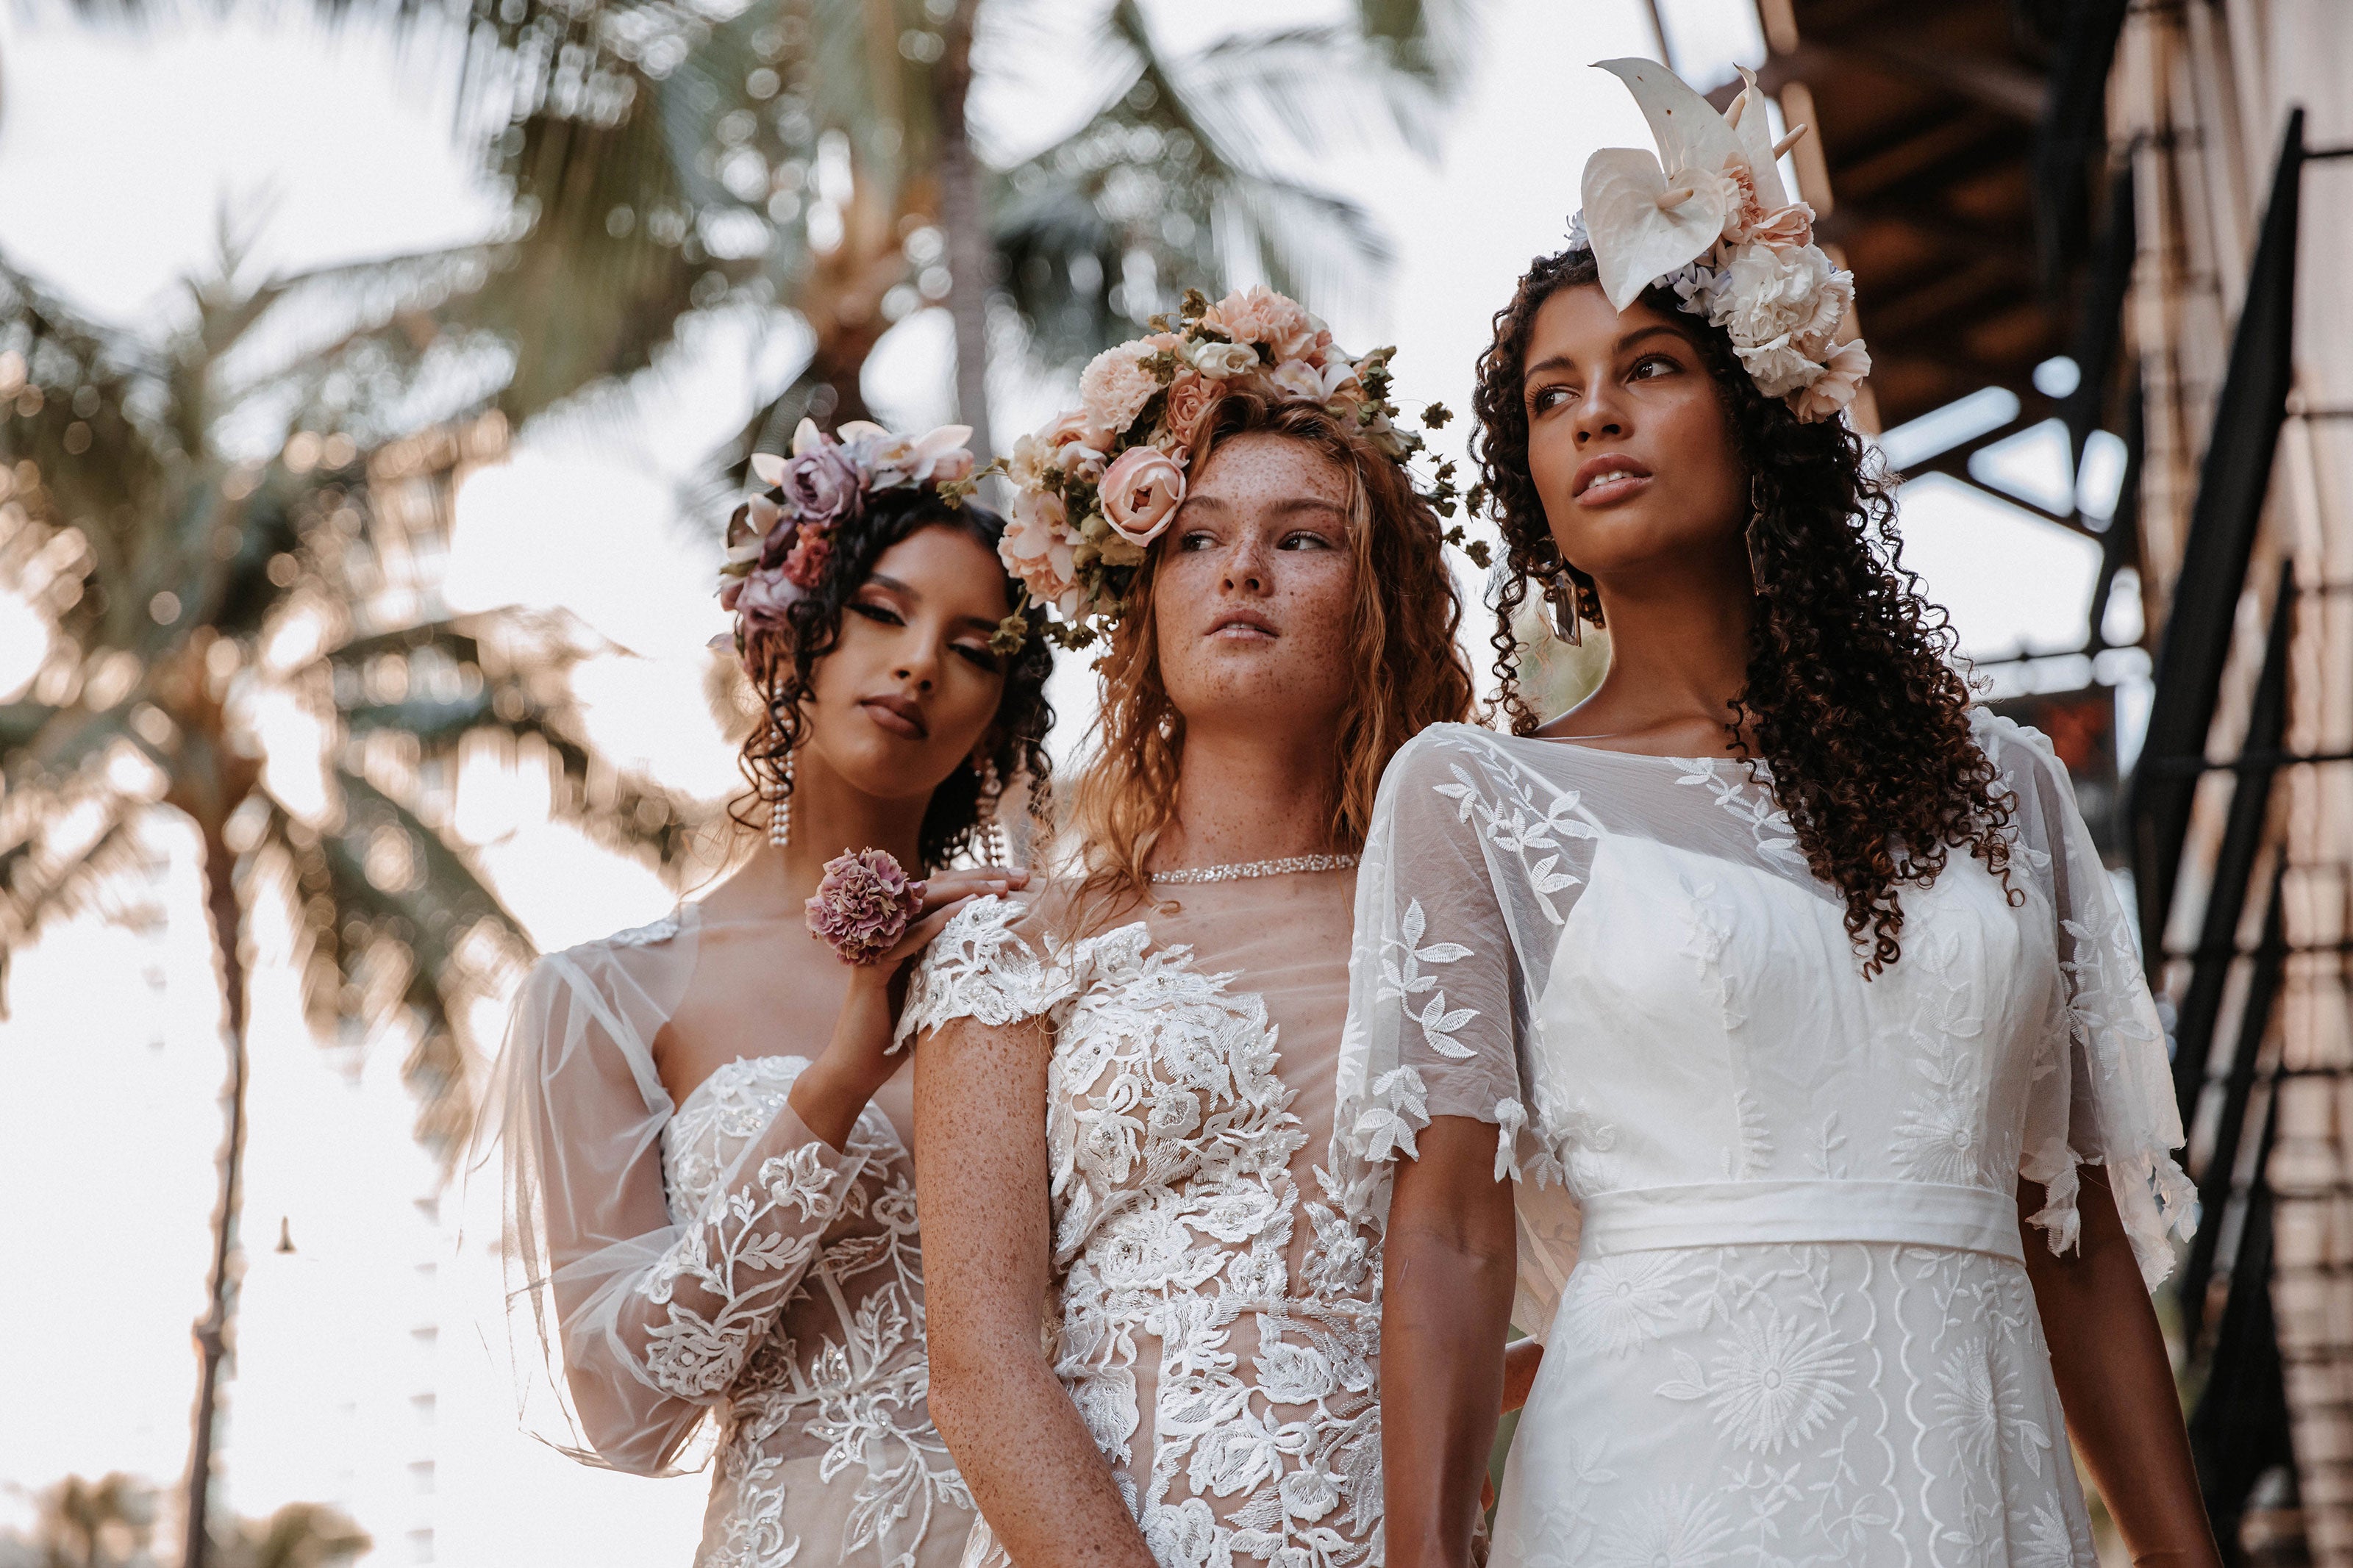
[780,808]
[1560,602]
[995,848]
[1754,534]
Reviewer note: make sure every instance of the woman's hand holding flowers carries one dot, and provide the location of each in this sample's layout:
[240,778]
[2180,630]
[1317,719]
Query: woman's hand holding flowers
[828,1096]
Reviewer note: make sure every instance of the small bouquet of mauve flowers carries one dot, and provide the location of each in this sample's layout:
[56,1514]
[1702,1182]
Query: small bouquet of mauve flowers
[863,904]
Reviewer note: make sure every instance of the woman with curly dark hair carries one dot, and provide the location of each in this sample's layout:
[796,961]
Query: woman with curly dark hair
[1785,983]
[711,1224]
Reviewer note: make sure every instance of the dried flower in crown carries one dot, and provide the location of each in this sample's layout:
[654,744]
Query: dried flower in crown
[1098,484]
[1708,217]
[863,904]
[780,541]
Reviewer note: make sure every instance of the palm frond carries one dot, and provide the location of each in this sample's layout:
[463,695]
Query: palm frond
[1321,87]
[36,888]
[378,958]
[434,886]
[1171,182]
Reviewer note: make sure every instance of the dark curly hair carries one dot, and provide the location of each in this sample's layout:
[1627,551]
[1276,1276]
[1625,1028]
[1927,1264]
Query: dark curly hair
[785,670]
[1856,711]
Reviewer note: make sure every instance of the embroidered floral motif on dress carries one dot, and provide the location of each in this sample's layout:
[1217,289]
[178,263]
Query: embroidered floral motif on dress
[776,1318]
[1767,1213]
[1216,1313]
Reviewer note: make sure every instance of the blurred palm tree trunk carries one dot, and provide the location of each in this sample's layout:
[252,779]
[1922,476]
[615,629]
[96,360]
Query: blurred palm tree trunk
[212,1329]
[208,795]
[965,220]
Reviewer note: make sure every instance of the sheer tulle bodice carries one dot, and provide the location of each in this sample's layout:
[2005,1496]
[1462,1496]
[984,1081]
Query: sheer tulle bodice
[715,1275]
[1796,1327]
[1215,1313]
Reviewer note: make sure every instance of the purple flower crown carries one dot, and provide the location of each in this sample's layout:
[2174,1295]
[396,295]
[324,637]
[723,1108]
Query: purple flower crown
[779,541]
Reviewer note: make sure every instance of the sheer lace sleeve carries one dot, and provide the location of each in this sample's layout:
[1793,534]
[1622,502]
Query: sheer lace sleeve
[980,967]
[2105,1092]
[1467,879]
[643,1319]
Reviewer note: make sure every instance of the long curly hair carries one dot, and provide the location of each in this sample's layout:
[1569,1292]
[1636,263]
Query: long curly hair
[783,669]
[1852,708]
[1402,642]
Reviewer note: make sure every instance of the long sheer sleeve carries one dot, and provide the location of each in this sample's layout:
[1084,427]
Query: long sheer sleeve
[2105,1092]
[644,1319]
[1469,868]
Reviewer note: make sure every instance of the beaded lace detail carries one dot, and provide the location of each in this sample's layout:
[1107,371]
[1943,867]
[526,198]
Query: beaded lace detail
[1236,871]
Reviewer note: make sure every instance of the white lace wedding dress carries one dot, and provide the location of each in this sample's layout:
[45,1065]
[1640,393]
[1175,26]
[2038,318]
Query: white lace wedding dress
[1799,1329]
[1215,1315]
[714,1275]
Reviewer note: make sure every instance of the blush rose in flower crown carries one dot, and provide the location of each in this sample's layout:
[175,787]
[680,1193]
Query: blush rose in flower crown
[779,541]
[1095,486]
[1708,217]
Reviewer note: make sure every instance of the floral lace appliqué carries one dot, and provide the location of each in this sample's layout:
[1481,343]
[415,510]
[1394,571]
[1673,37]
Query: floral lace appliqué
[802,1228]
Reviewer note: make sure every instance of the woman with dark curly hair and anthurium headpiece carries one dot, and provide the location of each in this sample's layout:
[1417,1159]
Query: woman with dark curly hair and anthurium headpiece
[1770,1010]
[1123,1090]
[710,1219]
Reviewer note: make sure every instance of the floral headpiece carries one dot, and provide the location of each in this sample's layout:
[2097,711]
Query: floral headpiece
[779,541]
[1708,217]
[1101,482]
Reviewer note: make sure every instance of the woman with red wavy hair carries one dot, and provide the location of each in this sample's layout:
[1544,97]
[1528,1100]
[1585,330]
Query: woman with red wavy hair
[1123,1090]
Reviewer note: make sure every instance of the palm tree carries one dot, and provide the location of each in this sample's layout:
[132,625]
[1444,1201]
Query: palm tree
[864,164]
[240,523]
[238,512]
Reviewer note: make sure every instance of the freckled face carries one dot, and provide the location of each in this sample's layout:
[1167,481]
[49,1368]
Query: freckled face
[1628,439]
[910,688]
[1254,594]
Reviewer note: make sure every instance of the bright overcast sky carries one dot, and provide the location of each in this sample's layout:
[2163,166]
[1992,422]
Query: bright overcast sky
[117,155]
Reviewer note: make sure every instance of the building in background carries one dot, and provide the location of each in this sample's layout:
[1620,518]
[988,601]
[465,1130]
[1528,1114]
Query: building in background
[2098,248]
[2228,119]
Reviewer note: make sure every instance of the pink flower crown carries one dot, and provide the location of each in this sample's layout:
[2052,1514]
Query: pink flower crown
[1708,217]
[1101,482]
[779,541]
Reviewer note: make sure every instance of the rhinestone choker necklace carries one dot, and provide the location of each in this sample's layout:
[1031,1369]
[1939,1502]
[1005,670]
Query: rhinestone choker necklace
[1235,873]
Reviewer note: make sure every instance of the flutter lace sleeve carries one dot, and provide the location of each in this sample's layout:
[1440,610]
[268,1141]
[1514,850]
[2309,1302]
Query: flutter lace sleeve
[642,1317]
[1466,880]
[2103,1094]
[981,967]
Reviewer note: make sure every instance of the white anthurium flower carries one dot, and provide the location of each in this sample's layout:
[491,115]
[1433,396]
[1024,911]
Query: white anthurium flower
[1634,238]
[1690,133]
[806,439]
[769,466]
[1749,123]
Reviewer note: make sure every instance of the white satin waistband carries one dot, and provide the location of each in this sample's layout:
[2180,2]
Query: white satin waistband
[1739,1214]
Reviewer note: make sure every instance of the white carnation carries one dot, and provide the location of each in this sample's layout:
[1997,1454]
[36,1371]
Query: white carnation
[1777,300]
[1220,360]
[1778,368]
